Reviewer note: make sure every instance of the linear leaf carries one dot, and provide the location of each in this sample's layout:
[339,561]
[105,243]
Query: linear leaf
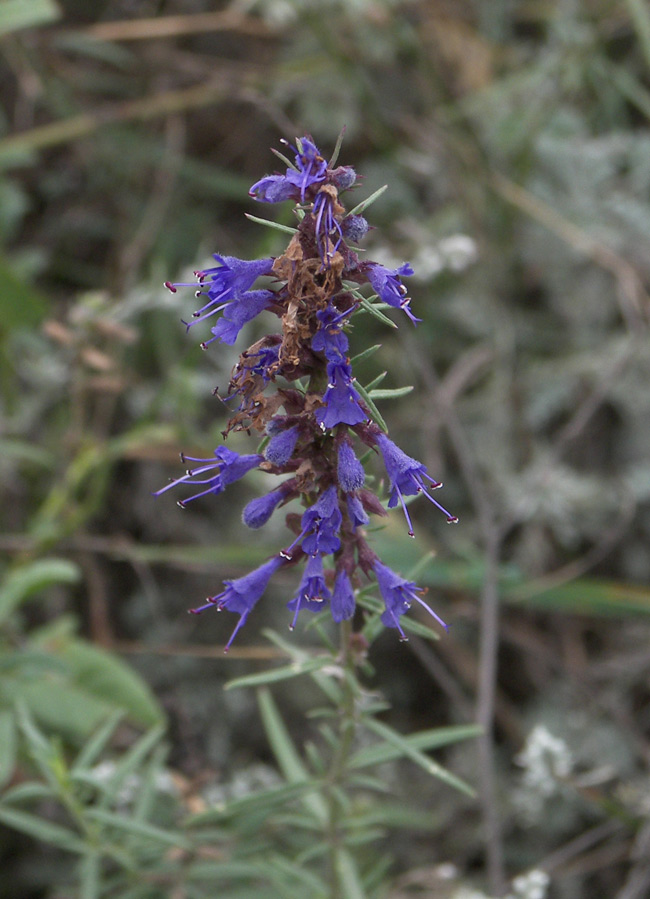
[40,829]
[277,674]
[433,768]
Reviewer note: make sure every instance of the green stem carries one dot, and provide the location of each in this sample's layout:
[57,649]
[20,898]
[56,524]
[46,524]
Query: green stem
[338,769]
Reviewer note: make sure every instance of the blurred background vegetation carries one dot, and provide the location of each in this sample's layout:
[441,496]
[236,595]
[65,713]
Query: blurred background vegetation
[514,138]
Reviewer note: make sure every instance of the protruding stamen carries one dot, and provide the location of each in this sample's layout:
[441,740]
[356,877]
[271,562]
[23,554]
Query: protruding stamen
[170,286]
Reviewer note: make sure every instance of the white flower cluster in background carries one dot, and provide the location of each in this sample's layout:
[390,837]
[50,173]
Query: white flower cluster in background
[531,885]
[546,761]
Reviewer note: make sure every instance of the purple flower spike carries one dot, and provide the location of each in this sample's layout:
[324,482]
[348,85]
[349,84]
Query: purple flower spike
[258,511]
[407,478]
[241,594]
[387,285]
[230,467]
[341,399]
[398,595]
[281,446]
[312,593]
[342,598]
[350,471]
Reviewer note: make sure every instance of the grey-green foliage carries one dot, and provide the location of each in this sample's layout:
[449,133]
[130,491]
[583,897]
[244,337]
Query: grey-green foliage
[122,818]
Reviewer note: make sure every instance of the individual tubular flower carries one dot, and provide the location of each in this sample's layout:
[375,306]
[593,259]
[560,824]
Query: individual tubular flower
[229,465]
[350,471]
[329,338]
[407,478]
[239,312]
[320,525]
[342,603]
[258,511]
[241,594]
[310,169]
[398,595]
[342,402]
[387,285]
[312,593]
[358,515]
[281,446]
[224,282]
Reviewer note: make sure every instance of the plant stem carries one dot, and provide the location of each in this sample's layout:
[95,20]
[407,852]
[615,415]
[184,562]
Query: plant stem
[338,769]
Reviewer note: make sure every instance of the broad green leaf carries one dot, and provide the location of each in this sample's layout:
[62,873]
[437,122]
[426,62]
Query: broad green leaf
[25,581]
[106,677]
[63,707]
[16,14]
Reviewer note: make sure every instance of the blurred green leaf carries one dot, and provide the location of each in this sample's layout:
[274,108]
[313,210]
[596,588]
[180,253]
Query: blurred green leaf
[8,745]
[106,677]
[277,674]
[41,829]
[25,581]
[17,14]
[21,305]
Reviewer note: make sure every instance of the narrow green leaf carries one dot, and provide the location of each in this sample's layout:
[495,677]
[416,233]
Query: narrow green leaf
[131,762]
[390,394]
[284,751]
[311,882]
[129,825]
[285,229]
[349,875]
[371,308]
[425,739]
[365,203]
[366,354]
[40,829]
[376,382]
[277,674]
[259,801]
[29,792]
[8,744]
[25,581]
[433,768]
[98,742]
[89,876]
[370,404]
[17,14]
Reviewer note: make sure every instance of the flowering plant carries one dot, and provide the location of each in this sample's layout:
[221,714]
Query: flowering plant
[318,413]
